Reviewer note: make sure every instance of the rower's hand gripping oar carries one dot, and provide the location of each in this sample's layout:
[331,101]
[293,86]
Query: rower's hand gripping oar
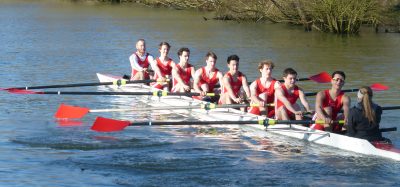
[375,87]
[102,124]
[119,82]
[68,111]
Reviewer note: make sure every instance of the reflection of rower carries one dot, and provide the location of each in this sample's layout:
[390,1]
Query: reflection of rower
[329,102]
[263,90]
[182,72]
[207,77]
[140,61]
[162,67]
[233,81]
[287,95]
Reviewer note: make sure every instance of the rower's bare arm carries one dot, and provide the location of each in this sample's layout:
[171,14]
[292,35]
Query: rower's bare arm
[318,105]
[346,106]
[253,92]
[246,86]
[196,80]
[154,66]
[228,87]
[303,100]
[176,76]
[280,96]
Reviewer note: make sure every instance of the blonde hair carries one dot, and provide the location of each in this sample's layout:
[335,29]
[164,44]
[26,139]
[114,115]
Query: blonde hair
[366,101]
[266,63]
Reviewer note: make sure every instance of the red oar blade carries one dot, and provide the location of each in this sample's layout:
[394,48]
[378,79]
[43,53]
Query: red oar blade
[323,77]
[18,91]
[67,111]
[109,125]
[379,87]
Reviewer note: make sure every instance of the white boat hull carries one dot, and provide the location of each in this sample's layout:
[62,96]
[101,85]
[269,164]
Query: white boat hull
[296,131]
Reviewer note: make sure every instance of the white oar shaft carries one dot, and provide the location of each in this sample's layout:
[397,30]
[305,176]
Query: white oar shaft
[147,108]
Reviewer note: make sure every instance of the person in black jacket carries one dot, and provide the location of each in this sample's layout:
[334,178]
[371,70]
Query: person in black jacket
[364,118]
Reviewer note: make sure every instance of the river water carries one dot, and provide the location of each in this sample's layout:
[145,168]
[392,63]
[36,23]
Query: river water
[45,42]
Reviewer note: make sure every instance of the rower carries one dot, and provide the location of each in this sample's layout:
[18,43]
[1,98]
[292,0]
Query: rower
[140,61]
[287,95]
[364,118]
[263,90]
[207,77]
[232,83]
[329,102]
[182,72]
[162,67]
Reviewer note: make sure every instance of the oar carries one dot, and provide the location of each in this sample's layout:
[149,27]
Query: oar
[155,93]
[118,82]
[375,87]
[322,77]
[109,125]
[68,111]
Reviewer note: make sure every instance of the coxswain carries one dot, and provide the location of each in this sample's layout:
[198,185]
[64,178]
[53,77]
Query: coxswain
[162,67]
[263,90]
[287,95]
[140,61]
[364,118]
[330,102]
[207,77]
[233,82]
[182,72]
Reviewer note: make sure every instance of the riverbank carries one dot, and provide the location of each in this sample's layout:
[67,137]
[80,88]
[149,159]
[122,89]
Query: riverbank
[333,16]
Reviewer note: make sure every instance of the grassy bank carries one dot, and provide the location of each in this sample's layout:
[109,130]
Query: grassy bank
[335,16]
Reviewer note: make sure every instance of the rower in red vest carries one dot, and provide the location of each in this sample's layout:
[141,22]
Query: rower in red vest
[140,61]
[232,83]
[263,90]
[287,95]
[329,102]
[162,67]
[207,77]
[182,72]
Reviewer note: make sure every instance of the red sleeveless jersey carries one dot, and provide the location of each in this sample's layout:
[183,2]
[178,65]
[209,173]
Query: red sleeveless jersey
[336,105]
[291,97]
[211,82]
[184,75]
[235,85]
[144,64]
[270,93]
[164,69]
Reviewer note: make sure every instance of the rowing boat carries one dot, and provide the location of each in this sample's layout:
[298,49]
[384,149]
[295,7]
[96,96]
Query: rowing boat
[296,131]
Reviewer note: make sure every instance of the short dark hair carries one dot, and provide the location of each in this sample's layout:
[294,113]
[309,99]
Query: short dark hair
[164,43]
[181,50]
[340,73]
[211,54]
[232,57]
[288,71]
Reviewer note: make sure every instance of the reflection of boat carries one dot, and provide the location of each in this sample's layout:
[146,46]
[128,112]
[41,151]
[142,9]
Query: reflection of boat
[295,131]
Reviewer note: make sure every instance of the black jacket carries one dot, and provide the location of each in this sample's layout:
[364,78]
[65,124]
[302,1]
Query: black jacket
[359,126]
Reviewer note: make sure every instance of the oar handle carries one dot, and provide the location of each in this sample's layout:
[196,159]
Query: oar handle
[388,129]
